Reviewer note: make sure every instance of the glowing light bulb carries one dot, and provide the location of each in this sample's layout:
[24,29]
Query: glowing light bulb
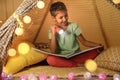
[116,1]
[87,76]
[102,76]
[71,76]
[42,76]
[91,65]
[59,30]
[116,77]
[23,48]
[40,4]
[11,52]
[19,31]
[26,19]
[53,77]
[24,77]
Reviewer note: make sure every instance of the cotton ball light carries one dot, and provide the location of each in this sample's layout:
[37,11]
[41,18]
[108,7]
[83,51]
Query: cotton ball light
[32,77]
[23,48]
[87,75]
[53,77]
[42,76]
[26,19]
[102,76]
[71,76]
[11,52]
[24,77]
[40,4]
[116,77]
[90,65]
[10,77]
[19,31]
[116,1]
[3,75]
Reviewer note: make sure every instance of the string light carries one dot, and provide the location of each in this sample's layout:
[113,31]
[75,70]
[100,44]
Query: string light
[116,1]
[86,76]
[11,52]
[23,48]
[19,31]
[40,4]
[26,19]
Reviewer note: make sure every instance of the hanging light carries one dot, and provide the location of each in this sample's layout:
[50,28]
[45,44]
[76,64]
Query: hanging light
[40,4]
[19,31]
[116,1]
[26,19]
[11,52]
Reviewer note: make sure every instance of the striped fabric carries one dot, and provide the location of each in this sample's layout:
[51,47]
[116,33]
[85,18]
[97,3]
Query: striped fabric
[8,28]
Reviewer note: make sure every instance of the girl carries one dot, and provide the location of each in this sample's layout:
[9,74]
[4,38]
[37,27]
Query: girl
[67,42]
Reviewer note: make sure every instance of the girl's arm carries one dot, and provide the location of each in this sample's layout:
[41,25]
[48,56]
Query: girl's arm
[86,42]
[53,46]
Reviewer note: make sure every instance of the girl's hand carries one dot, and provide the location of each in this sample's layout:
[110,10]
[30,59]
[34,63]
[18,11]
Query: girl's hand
[53,27]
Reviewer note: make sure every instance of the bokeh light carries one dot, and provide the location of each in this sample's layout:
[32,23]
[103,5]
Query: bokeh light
[19,31]
[102,76]
[26,19]
[23,48]
[87,76]
[40,4]
[11,52]
[90,65]
[116,1]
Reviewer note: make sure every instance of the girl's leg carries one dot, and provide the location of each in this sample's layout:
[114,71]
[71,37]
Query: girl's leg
[81,58]
[60,62]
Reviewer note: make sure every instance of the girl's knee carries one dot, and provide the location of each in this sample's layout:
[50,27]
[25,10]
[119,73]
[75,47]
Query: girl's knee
[51,60]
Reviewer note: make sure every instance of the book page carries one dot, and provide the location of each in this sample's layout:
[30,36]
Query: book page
[70,54]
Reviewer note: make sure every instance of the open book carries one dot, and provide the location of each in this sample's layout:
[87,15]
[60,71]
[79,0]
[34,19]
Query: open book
[70,54]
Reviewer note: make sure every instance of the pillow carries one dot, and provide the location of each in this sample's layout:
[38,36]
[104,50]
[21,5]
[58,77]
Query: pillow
[18,62]
[109,58]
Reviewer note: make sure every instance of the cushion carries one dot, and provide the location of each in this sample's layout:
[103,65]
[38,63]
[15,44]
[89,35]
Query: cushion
[109,58]
[18,62]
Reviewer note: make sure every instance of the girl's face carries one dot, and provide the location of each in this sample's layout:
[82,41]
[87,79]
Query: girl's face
[61,18]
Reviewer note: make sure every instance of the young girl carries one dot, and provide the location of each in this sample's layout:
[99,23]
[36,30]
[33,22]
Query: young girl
[67,41]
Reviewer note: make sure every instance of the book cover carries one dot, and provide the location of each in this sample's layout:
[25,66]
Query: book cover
[68,55]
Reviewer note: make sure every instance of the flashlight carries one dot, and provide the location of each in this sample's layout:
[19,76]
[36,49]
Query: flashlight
[59,30]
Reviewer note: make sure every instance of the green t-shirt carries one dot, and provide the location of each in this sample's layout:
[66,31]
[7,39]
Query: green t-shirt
[67,42]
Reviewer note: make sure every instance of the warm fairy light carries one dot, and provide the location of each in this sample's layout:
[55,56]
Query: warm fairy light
[91,65]
[116,1]
[26,19]
[40,4]
[19,31]
[11,52]
[23,48]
